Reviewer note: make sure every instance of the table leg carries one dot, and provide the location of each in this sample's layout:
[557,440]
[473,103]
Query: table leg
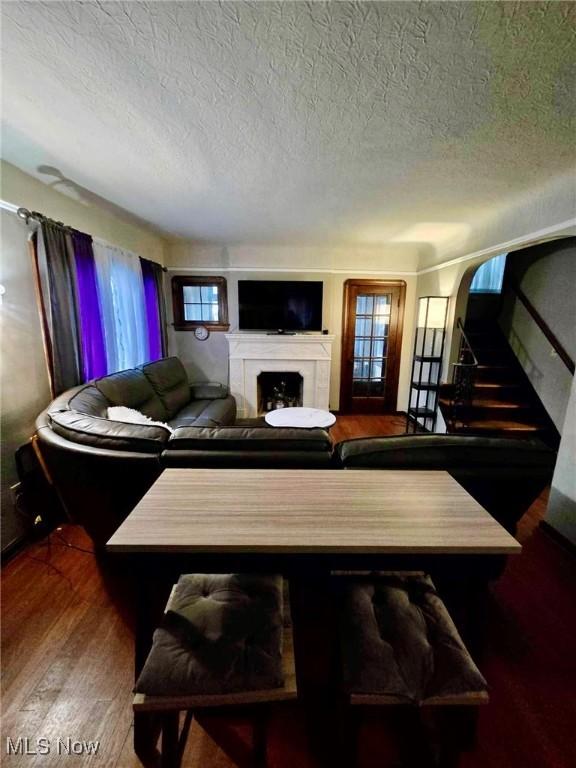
[313,601]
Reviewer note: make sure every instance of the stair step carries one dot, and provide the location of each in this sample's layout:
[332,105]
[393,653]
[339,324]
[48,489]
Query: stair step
[495,385]
[494,373]
[489,402]
[493,356]
[489,410]
[499,425]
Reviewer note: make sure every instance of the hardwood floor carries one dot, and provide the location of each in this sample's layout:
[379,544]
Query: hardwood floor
[67,653]
[359,425]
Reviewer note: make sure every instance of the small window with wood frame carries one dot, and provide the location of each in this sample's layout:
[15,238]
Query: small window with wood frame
[200,301]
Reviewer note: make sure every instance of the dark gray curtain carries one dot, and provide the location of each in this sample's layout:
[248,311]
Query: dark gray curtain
[56,268]
[159,276]
[157,273]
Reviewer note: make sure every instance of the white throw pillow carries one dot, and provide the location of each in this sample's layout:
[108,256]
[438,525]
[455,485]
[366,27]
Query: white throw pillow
[132,416]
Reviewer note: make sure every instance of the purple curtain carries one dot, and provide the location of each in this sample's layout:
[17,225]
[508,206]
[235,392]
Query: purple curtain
[155,310]
[92,335]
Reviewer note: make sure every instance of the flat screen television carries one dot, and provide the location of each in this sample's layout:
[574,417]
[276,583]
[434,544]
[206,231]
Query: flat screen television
[280,305]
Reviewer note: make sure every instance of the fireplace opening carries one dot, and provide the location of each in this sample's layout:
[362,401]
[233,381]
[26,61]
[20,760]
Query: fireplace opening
[279,389]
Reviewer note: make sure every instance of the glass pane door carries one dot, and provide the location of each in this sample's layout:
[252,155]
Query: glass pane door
[371,331]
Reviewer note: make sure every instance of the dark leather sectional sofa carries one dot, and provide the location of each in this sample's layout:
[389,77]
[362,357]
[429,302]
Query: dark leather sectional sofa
[102,468]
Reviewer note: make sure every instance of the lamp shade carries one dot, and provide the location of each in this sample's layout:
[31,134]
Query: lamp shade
[432,311]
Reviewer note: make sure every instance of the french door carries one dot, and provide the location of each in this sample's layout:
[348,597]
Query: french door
[371,341]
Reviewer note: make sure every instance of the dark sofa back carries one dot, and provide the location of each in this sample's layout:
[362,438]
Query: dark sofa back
[256,447]
[132,389]
[169,380]
[504,475]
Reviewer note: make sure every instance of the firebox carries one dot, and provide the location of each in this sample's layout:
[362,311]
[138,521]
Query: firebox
[279,389]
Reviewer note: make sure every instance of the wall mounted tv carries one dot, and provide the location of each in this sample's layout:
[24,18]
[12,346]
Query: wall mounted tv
[280,305]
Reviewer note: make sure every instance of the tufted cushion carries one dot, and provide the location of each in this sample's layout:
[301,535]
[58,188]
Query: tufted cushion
[104,433]
[222,633]
[399,641]
[132,389]
[170,382]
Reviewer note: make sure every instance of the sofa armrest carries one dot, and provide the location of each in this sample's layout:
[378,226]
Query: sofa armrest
[208,390]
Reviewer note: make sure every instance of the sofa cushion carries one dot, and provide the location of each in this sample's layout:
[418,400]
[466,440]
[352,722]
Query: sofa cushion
[206,413]
[112,435]
[399,641]
[250,439]
[132,389]
[89,400]
[222,633]
[170,382]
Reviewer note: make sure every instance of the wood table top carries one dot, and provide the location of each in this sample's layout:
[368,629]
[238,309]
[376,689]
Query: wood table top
[310,511]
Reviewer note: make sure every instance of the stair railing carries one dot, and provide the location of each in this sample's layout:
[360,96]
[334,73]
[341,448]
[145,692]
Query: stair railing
[463,378]
[542,324]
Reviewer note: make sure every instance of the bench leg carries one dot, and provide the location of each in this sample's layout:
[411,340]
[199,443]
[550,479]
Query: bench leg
[414,744]
[146,731]
[170,756]
[348,725]
[260,737]
[456,734]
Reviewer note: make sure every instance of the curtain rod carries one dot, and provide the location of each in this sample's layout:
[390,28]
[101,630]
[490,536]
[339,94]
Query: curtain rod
[22,213]
[26,215]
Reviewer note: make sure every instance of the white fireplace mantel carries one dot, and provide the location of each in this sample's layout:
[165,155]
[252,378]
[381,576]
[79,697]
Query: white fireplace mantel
[254,353]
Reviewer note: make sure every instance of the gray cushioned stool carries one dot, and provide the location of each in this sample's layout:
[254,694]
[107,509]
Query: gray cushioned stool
[222,643]
[400,647]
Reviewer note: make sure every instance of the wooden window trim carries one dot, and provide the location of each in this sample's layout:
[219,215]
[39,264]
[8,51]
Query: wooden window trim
[179,283]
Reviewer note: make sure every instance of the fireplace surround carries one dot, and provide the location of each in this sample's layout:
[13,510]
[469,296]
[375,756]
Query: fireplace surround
[252,354]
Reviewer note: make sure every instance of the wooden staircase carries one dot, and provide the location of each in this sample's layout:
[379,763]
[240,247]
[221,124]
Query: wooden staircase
[503,402]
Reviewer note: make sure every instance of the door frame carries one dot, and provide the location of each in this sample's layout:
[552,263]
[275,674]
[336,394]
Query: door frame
[347,339]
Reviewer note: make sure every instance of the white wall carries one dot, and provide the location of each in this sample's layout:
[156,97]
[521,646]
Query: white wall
[208,360]
[561,512]
[23,377]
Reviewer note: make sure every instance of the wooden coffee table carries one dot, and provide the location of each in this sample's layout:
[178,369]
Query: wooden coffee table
[305,524]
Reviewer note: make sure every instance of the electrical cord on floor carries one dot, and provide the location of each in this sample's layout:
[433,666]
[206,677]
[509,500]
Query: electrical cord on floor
[66,543]
[46,561]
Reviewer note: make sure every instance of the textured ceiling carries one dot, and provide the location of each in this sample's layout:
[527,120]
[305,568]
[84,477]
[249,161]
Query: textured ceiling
[341,122]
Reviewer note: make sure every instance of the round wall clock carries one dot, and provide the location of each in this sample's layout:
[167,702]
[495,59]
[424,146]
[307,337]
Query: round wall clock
[201,332]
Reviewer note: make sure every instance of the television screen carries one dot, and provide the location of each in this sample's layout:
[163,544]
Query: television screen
[274,305]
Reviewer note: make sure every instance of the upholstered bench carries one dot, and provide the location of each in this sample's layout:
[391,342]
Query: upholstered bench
[222,643]
[400,647]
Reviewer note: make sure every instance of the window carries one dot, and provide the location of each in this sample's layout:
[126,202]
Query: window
[489,276]
[200,301]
